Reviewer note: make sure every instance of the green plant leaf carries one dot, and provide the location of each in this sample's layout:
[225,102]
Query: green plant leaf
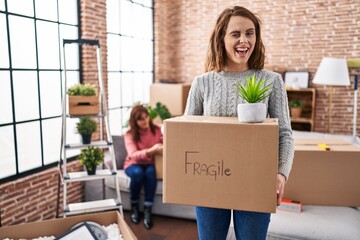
[253,91]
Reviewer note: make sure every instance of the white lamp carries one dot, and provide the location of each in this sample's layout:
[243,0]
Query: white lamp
[332,72]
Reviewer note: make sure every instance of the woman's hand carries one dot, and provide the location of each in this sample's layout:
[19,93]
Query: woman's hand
[156,149]
[280,186]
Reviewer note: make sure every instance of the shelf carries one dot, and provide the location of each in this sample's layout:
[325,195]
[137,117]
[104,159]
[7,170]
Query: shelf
[92,206]
[302,120]
[83,176]
[100,144]
[91,116]
[307,118]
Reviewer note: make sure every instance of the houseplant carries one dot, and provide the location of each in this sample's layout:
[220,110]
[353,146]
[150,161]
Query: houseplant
[83,99]
[85,127]
[253,92]
[295,108]
[90,157]
[159,110]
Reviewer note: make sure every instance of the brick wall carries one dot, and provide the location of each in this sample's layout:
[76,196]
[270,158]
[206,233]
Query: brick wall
[297,34]
[34,197]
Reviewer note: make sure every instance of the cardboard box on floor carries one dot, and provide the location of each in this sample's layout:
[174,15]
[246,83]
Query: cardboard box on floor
[220,162]
[57,227]
[320,177]
[172,95]
[159,167]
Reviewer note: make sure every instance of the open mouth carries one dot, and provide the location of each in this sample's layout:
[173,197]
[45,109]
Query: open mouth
[241,51]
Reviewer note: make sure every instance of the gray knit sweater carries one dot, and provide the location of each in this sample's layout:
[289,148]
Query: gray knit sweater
[215,94]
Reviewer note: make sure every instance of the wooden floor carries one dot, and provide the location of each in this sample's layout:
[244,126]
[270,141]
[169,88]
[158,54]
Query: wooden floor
[164,228]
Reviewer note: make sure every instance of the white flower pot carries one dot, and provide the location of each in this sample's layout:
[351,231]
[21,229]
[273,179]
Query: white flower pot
[251,112]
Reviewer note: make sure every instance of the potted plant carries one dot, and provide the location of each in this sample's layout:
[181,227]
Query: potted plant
[160,110]
[295,108]
[85,127]
[90,157]
[83,99]
[253,92]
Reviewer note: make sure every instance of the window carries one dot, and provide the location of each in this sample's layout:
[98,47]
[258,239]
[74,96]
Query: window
[31,80]
[130,57]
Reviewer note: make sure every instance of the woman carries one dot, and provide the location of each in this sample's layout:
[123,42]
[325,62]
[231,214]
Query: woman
[236,51]
[143,141]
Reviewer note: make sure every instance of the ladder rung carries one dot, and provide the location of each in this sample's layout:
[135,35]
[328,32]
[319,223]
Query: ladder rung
[100,144]
[93,206]
[83,176]
[90,115]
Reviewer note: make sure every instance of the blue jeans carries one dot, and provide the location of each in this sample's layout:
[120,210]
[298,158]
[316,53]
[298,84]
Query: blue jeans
[213,223]
[142,175]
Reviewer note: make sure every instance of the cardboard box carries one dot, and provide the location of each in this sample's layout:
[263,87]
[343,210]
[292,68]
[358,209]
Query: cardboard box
[172,95]
[57,227]
[220,162]
[320,177]
[159,167]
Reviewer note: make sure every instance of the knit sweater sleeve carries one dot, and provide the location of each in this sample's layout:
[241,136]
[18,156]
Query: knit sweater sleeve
[278,108]
[194,104]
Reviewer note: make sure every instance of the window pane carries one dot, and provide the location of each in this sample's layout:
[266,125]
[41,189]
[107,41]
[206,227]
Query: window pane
[147,24]
[68,11]
[140,92]
[113,50]
[72,79]
[4,56]
[23,7]
[48,45]
[7,151]
[128,56]
[50,90]
[51,140]
[22,36]
[126,20]
[72,137]
[112,16]
[148,3]
[46,9]
[26,95]
[2,5]
[28,145]
[147,81]
[114,89]
[72,50]
[6,115]
[127,89]
[115,123]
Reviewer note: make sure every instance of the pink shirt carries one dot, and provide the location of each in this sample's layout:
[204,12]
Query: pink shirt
[136,151]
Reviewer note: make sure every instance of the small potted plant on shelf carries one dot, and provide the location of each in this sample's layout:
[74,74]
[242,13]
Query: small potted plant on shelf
[90,158]
[295,108]
[83,99]
[253,92]
[85,127]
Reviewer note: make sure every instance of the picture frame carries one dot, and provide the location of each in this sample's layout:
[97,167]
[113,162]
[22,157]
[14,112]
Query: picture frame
[297,80]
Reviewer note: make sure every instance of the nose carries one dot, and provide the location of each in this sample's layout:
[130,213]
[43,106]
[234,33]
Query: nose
[242,39]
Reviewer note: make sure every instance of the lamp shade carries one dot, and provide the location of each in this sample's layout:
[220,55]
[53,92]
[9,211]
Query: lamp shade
[332,71]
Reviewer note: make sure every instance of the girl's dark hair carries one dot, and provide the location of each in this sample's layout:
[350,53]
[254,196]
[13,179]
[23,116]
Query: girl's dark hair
[216,55]
[135,115]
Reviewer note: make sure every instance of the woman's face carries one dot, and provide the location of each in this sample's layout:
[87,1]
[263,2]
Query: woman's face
[239,40]
[143,121]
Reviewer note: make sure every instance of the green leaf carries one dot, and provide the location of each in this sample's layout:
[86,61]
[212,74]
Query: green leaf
[253,91]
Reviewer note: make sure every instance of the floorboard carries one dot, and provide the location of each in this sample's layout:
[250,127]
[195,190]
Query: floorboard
[168,228]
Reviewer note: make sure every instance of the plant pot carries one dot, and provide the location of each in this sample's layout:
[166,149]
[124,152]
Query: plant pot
[251,112]
[295,112]
[92,171]
[86,138]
